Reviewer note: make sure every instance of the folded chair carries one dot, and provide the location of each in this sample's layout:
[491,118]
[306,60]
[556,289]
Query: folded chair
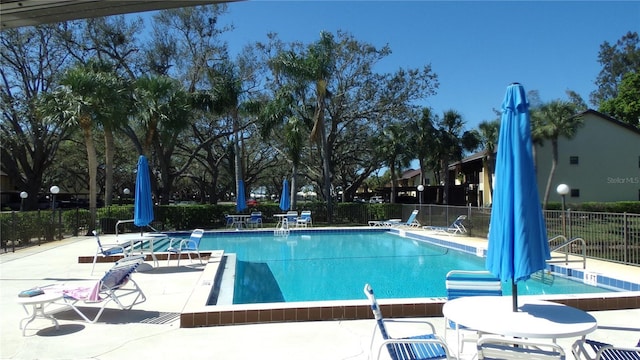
[500,348]
[595,350]
[105,250]
[457,227]
[461,283]
[427,346]
[114,286]
[188,246]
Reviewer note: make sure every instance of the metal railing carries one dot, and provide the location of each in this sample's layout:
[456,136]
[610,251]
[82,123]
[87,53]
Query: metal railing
[561,244]
[608,236]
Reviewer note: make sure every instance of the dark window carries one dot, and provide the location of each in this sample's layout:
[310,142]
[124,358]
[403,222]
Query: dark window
[574,160]
[575,192]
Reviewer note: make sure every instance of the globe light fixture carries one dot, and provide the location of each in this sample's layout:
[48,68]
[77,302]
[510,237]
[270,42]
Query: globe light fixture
[420,190]
[23,195]
[54,190]
[563,190]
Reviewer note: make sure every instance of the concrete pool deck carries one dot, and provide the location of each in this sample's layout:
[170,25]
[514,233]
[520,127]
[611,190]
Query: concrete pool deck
[151,329]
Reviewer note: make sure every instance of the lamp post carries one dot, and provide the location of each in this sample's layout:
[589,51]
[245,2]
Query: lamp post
[54,190]
[563,190]
[23,195]
[420,190]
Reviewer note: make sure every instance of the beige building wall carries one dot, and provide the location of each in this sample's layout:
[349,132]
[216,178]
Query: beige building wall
[608,162]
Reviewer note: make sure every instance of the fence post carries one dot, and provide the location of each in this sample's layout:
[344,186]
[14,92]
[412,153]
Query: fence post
[625,237]
[59,224]
[76,228]
[569,222]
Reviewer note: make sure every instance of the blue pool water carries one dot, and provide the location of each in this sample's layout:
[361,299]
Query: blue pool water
[321,265]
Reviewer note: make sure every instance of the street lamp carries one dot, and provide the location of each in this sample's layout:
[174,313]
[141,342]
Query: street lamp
[563,190]
[126,193]
[420,190]
[54,190]
[23,195]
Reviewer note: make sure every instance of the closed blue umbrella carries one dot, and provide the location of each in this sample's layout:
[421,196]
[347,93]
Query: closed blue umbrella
[143,204]
[518,244]
[241,202]
[285,198]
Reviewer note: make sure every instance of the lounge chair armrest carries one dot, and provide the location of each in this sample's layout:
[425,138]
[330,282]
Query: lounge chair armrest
[406,321]
[173,241]
[110,247]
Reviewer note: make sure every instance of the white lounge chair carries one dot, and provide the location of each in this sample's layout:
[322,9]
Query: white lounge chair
[411,221]
[425,346]
[596,350]
[188,246]
[461,283]
[457,227]
[255,220]
[305,219]
[116,285]
[490,347]
[105,250]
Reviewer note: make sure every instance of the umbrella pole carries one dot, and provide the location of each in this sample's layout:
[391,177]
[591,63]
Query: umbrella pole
[514,295]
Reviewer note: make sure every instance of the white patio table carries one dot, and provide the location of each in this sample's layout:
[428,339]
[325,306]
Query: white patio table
[536,319]
[135,238]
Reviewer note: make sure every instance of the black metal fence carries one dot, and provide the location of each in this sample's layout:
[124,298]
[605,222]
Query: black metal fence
[609,236]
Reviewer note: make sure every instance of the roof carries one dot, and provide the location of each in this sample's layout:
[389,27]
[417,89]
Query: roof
[17,13]
[409,174]
[610,119]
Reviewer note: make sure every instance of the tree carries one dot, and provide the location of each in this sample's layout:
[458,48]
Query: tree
[395,148]
[450,144]
[163,110]
[489,132]
[626,105]
[421,142]
[73,105]
[30,59]
[551,121]
[617,60]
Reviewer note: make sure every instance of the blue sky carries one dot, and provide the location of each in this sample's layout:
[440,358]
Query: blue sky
[477,48]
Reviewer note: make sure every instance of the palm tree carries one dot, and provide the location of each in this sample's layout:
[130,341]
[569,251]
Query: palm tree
[312,68]
[115,105]
[164,110]
[422,139]
[276,117]
[451,143]
[395,149]
[554,120]
[74,103]
[489,132]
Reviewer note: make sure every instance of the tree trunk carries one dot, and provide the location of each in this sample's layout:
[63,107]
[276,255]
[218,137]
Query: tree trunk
[292,190]
[85,124]
[109,150]
[554,164]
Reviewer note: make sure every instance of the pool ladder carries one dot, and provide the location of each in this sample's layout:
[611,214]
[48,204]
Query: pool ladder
[560,242]
[283,230]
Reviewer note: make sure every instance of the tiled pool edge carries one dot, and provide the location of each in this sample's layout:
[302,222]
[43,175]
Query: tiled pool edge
[197,314]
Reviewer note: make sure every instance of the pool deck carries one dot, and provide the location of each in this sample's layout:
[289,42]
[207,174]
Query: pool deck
[152,329]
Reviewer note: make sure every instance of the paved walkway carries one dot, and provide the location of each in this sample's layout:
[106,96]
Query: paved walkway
[151,329]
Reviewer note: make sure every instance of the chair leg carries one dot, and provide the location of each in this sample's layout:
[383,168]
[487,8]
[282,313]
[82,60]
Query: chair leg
[95,258]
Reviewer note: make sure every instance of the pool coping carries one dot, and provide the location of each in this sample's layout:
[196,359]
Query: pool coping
[197,314]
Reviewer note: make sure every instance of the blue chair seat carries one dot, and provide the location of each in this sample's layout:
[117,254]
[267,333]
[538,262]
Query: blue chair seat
[406,349]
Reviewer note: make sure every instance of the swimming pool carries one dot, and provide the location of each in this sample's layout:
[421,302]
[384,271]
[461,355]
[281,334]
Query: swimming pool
[328,265]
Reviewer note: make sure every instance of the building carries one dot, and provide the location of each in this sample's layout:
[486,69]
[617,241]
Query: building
[600,164]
